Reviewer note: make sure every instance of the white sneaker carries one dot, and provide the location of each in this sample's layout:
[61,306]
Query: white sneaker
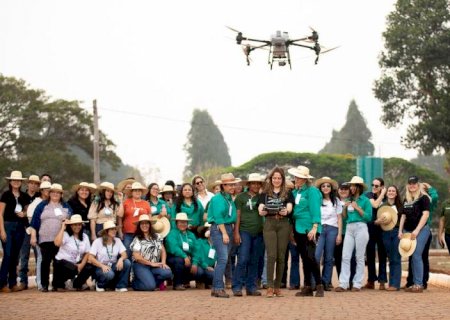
[99,289]
[69,284]
[121,289]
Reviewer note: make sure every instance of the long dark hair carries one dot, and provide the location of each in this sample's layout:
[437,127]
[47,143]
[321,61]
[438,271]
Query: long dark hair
[359,190]
[180,198]
[140,234]
[101,201]
[75,198]
[333,193]
[398,200]
[268,187]
[150,186]
[70,232]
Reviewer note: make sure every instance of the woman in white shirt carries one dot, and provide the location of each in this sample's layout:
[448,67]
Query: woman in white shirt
[71,259]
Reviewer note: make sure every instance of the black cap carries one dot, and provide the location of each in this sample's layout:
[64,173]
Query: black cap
[344,185]
[413,179]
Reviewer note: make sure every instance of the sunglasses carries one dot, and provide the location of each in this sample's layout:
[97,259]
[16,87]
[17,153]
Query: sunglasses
[199,182]
[375,185]
[326,186]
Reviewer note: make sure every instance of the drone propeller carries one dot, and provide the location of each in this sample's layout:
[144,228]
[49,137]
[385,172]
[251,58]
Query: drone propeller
[232,29]
[327,49]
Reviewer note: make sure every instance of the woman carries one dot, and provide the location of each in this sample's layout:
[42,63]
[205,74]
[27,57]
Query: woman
[330,229]
[13,220]
[132,208]
[149,257]
[182,257]
[105,208]
[222,216]
[45,226]
[275,204]
[80,202]
[207,255]
[416,209]
[444,226]
[188,203]
[389,221]
[71,259]
[111,270]
[376,197]
[202,194]
[357,212]
[308,200]
[168,195]
[157,205]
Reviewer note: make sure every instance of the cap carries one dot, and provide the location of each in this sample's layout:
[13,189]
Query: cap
[413,179]
[344,185]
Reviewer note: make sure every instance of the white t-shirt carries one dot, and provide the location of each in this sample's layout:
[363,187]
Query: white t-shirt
[107,254]
[72,249]
[329,213]
[204,200]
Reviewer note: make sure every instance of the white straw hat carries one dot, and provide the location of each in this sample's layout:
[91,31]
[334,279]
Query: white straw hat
[300,172]
[15,175]
[407,246]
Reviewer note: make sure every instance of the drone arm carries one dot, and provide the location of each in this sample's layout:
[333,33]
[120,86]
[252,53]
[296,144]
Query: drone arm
[259,47]
[301,45]
[257,40]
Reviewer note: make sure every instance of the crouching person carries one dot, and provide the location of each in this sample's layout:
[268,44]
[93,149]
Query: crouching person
[207,256]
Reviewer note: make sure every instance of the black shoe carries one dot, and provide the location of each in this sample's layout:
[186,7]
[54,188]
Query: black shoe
[255,293]
[44,290]
[237,293]
[327,287]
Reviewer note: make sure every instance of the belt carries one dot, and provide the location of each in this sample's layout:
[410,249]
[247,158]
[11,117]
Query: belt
[276,217]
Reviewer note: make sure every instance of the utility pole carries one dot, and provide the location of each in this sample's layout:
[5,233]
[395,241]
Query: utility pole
[96,146]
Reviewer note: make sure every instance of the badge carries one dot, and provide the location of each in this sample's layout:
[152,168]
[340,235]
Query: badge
[78,258]
[18,208]
[250,204]
[230,210]
[297,198]
[107,211]
[211,253]
[154,209]
[185,246]
[136,212]
[350,208]
[58,212]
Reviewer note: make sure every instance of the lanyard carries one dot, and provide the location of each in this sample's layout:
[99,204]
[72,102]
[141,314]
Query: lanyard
[230,208]
[110,254]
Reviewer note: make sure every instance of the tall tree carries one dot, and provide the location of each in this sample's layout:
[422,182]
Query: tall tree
[205,147]
[415,80]
[353,138]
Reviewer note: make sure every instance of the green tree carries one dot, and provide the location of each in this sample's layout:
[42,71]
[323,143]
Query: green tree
[206,147]
[353,138]
[415,80]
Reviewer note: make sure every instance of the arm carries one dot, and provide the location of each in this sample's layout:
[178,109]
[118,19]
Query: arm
[83,262]
[376,203]
[164,258]
[92,224]
[421,224]
[237,236]
[441,235]
[339,236]
[119,264]
[60,236]
[400,227]
[315,201]
[120,210]
[2,222]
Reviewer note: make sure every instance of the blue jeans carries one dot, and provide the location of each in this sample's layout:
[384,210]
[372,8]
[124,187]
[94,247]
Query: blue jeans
[356,238]
[294,277]
[24,259]
[375,245]
[325,246]
[391,241]
[181,273]
[222,252]
[127,240]
[15,232]
[113,278]
[148,278]
[246,272]
[417,261]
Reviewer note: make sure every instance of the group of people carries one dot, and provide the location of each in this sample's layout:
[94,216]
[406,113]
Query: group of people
[147,238]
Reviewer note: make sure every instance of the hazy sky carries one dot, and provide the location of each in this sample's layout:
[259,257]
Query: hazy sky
[150,63]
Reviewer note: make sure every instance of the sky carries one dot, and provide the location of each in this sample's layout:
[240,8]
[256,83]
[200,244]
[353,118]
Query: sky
[149,64]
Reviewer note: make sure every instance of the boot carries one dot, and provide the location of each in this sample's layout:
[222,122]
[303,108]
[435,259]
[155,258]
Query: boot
[319,290]
[305,292]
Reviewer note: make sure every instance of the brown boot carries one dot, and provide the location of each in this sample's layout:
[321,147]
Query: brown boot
[369,285]
[305,292]
[277,293]
[319,290]
[269,293]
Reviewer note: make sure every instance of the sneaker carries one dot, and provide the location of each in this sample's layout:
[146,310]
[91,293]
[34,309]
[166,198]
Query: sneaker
[269,293]
[305,292]
[162,287]
[415,289]
[69,284]
[237,293]
[179,287]
[99,289]
[220,294]
[340,289]
[121,289]
[277,293]
[354,289]
[84,287]
[392,289]
[255,293]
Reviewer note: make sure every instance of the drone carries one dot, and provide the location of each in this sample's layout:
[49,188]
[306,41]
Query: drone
[278,46]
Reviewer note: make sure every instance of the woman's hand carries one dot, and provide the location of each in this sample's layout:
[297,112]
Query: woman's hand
[164,266]
[414,234]
[3,235]
[400,234]
[187,262]
[79,267]
[210,269]
[120,234]
[339,239]
[312,234]
[283,212]
[237,238]
[33,240]
[442,240]
[226,238]
[194,269]
[119,265]
[105,268]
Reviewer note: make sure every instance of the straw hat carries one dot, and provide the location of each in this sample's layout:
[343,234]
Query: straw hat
[106,226]
[216,183]
[106,186]
[77,187]
[76,218]
[56,187]
[92,185]
[182,217]
[227,178]
[388,216]
[322,180]
[143,217]
[15,175]
[358,180]
[161,226]
[254,177]
[121,185]
[300,172]
[138,186]
[45,185]
[34,178]
[167,189]
[207,224]
[407,246]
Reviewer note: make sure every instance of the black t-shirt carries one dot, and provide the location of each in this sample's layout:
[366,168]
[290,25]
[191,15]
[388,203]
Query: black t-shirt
[10,202]
[372,195]
[79,208]
[414,211]
[274,203]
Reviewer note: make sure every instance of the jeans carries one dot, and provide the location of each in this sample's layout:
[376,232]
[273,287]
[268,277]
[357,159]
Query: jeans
[374,245]
[294,277]
[222,252]
[147,278]
[181,273]
[113,278]
[15,232]
[307,250]
[49,251]
[127,240]
[325,246]
[338,260]
[356,238]
[231,264]
[391,241]
[24,259]
[417,259]
[38,258]
[246,272]
[65,270]
[426,265]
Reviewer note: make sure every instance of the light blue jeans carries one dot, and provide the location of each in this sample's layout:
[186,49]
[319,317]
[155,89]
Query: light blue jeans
[356,238]
[222,251]
[325,247]
[417,261]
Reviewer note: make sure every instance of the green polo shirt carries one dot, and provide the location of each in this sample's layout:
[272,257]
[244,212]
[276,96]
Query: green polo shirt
[222,209]
[155,208]
[307,202]
[174,244]
[433,204]
[196,216]
[364,203]
[251,221]
[203,247]
[446,214]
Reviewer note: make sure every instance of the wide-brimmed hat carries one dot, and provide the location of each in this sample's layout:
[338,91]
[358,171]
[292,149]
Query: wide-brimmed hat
[167,189]
[106,186]
[93,186]
[407,246]
[77,187]
[56,187]
[34,178]
[15,175]
[76,218]
[106,226]
[182,217]
[322,180]
[121,185]
[300,172]
[161,226]
[216,183]
[138,186]
[254,177]
[388,216]
[45,185]
[227,178]
[358,180]
[143,217]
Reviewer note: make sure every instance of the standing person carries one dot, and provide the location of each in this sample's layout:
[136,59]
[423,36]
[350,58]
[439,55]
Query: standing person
[248,235]
[222,216]
[330,229]
[45,225]
[388,218]
[416,209]
[188,203]
[275,204]
[306,215]
[157,205]
[168,195]
[202,194]
[444,226]
[375,244]
[111,270]
[80,201]
[105,208]
[357,212]
[13,221]
[71,259]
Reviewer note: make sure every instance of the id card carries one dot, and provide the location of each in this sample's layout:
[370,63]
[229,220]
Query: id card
[211,253]
[297,198]
[185,246]
[18,208]
[136,212]
[58,212]
[154,209]
[350,208]
[249,204]
[107,211]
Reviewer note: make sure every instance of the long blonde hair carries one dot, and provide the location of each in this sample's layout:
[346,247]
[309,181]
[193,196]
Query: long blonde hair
[410,197]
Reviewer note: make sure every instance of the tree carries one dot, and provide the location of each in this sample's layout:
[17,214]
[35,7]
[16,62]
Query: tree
[205,147]
[415,80]
[353,138]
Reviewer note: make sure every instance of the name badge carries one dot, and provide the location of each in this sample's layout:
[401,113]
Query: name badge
[136,212]
[18,208]
[250,204]
[78,258]
[58,212]
[211,253]
[350,208]
[107,211]
[185,246]
[154,209]
[230,210]
[297,198]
